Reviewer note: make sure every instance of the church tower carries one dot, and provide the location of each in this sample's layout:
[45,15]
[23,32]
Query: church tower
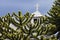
[37,15]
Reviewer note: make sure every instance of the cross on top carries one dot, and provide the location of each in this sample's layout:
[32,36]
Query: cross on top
[37,7]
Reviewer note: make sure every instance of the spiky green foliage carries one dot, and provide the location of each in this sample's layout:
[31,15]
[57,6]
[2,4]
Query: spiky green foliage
[18,21]
[25,30]
[54,14]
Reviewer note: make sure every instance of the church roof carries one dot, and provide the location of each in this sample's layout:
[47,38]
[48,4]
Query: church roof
[37,14]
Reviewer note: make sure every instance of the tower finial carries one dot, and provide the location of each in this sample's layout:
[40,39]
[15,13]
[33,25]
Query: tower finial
[37,7]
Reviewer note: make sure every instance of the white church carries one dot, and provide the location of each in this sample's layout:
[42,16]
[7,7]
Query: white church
[37,15]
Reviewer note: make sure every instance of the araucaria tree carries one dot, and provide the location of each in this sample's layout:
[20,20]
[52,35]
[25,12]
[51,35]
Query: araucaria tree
[54,14]
[24,29]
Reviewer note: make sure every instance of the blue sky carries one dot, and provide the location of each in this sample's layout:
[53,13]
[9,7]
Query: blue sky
[10,6]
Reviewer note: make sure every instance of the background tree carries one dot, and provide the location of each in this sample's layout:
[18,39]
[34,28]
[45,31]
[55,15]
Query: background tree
[54,14]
